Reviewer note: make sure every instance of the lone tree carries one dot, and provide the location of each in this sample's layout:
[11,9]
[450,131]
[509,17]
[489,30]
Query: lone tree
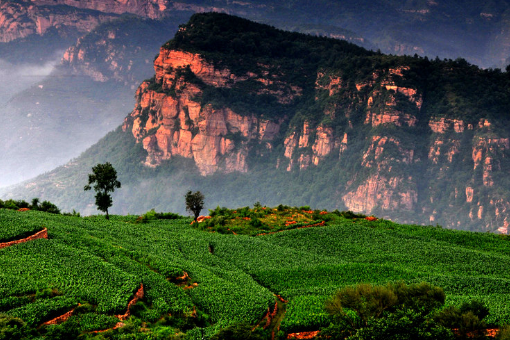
[105,178]
[194,203]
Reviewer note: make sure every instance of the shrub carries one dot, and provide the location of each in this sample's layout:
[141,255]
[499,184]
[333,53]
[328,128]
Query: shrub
[468,319]
[256,223]
[49,207]
[404,324]
[34,204]
[368,311]
[11,328]
[22,204]
[237,331]
[152,215]
[503,333]
[10,204]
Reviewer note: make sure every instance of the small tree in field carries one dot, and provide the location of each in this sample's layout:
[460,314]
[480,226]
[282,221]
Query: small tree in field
[194,203]
[105,178]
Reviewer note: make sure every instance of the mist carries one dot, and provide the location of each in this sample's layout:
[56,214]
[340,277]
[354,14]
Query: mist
[50,116]
[16,78]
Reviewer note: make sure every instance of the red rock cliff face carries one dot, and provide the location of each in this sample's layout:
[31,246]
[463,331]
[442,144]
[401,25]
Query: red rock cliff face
[217,139]
[147,8]
[397,175]
[384,189]
[19,20]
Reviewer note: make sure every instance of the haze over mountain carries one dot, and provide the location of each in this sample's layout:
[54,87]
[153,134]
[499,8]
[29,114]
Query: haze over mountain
[245,113]
[39,32]
[90,56]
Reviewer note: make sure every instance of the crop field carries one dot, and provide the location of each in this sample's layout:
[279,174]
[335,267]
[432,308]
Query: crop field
[210,279]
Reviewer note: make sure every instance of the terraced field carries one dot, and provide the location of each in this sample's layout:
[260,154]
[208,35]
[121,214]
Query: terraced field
[196,282]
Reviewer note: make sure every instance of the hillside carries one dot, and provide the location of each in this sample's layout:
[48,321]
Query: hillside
[88,93]
[247,113]
[470,29]
[44,32]
[196,282]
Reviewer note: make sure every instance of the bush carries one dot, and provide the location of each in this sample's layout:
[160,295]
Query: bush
[49,207]
[349,214]
[368,311]
[503,333]
[237,331]
[152,215]
[10,204]
[256,223]
[22,204]
[405,324]
[11,328]
[468,319]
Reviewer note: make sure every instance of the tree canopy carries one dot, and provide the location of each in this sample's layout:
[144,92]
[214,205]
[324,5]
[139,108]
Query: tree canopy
[194,203]
[105,178]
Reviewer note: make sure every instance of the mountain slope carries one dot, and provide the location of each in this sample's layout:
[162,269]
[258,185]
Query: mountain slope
[275,116]
[474,30]
[84,97]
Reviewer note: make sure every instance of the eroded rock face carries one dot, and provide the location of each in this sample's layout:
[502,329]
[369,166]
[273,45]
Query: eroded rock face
[382,102]
[19,20]
[217,139]
[382,192]
[395,173]
[147,8]
[441,125]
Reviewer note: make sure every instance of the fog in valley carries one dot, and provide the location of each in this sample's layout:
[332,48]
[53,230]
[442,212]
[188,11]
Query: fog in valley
[16,79]
[50,116]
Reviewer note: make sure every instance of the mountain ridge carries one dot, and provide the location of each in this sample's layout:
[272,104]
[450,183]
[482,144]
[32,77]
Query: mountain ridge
[407,138]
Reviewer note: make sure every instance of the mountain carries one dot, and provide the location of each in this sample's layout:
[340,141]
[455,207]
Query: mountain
[476,31]
[110,45]
[79,99]
[245,112]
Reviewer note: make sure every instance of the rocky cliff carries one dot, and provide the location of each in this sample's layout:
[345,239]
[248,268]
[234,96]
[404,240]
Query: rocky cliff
[245,112]
[118,51]
[179,124]
[146,8]
[405,157]
[20,20]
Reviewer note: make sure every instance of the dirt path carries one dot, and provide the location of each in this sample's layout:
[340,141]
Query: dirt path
[40,234]
[138,295]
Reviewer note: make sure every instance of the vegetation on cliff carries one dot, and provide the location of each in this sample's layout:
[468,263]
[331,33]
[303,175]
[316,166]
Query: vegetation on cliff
[296,119]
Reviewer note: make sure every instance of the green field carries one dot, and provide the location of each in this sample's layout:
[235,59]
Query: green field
[230,278]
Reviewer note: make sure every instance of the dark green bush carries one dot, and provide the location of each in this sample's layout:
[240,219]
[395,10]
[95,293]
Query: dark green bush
[394,310]
[10,204]
[11,328]
[468,319]
[238,331]
[49,207]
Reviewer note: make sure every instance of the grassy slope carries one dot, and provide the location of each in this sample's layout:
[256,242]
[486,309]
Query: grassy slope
[103,263]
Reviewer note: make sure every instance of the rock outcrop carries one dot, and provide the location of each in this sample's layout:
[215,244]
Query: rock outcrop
[116,53]
[170,119]
[146,8]
[20,20]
